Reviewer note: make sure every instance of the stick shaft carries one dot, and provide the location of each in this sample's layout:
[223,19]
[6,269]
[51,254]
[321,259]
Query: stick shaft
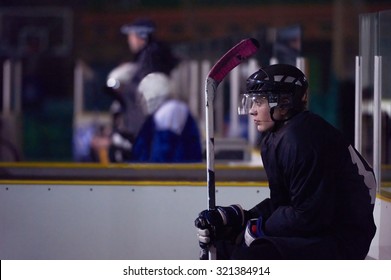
[230,60]
[210,92]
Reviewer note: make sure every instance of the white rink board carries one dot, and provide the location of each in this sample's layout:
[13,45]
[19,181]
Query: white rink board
[381,243]
[100,222]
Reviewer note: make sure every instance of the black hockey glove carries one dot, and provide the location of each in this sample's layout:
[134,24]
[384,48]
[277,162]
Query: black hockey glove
[222,223]
[232,215]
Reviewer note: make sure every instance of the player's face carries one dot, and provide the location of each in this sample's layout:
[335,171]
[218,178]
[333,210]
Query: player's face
[260,112]
[135,42]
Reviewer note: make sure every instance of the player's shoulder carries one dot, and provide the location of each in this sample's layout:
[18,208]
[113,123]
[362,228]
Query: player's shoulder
[171,115]
[308,122]
[302,129]
[312,130]
[172,106]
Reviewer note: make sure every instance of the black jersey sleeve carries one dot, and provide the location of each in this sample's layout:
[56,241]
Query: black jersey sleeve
[263,209]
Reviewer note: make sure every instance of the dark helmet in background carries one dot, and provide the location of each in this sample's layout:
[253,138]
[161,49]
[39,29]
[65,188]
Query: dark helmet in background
[282,85]
[143,27]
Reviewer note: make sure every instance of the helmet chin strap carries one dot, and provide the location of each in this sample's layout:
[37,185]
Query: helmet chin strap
[277,123]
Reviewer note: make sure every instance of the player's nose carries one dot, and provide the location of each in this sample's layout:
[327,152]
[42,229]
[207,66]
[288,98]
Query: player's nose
[252,111]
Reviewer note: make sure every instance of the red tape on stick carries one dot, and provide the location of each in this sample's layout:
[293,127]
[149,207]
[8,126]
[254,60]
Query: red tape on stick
[236,55]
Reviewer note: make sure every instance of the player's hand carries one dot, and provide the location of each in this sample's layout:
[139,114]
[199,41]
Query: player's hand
[210,221]
[205,223]
[232,215]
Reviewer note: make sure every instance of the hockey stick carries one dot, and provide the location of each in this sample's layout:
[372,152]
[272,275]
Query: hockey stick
[223,66]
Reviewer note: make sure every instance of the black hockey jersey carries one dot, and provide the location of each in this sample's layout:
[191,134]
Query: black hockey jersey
[322,192]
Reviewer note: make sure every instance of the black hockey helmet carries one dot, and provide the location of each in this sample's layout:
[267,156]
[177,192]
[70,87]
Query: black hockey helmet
[275,83]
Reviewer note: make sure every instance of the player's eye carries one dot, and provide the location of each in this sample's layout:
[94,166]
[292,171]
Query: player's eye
[259,100]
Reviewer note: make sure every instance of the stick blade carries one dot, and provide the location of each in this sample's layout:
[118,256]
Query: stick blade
[236,55]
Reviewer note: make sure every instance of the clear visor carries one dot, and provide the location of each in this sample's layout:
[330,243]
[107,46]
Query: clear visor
[247,101]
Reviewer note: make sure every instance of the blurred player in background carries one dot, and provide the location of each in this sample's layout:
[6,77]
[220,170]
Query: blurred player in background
[148,55]
[170,133]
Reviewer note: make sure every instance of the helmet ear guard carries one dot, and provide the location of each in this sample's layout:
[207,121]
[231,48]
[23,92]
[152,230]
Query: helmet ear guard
[273,100]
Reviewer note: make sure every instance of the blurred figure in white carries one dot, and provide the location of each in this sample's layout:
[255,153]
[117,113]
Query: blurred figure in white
[169,133]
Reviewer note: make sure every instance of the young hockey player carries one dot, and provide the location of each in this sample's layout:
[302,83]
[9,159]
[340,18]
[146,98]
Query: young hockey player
[322,191]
